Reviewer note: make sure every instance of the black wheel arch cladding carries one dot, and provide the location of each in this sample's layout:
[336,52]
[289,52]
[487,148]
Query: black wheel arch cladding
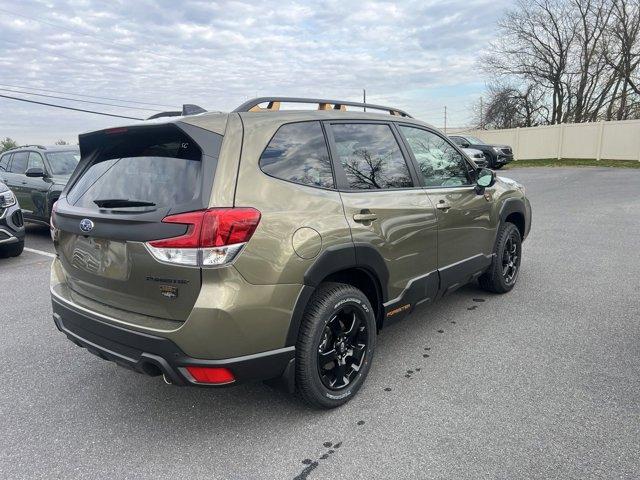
[333,260]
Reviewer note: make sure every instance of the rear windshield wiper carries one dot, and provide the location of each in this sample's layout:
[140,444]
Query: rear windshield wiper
[122,203]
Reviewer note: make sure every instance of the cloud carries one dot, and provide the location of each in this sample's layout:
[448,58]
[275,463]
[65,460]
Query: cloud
[416,55]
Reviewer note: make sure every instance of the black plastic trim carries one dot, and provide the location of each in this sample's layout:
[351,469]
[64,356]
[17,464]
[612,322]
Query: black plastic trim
[298,311]
[137,350]
[460,273]
[515,205]
[420,290]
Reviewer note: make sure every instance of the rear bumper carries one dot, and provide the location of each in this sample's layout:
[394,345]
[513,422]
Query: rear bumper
[154,355]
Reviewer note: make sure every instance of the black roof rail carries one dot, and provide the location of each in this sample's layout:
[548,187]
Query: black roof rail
[187,109]
[42,147]
[253,105]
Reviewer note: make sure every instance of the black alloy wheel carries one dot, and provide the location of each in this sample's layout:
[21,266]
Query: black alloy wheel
[511,258]
[342,348]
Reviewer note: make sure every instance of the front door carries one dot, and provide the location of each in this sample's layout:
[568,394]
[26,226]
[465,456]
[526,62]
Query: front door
[386,208]
[36,189]
[465,229]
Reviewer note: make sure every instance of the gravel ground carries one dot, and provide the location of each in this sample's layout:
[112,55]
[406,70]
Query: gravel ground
[543,382]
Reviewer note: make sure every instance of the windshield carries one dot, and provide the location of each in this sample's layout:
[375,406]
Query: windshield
[63,163]
[475,141]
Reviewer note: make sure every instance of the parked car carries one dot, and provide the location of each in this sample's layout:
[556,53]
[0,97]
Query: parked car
[11,224]
[37,175]
[476,157]
[497,155]
[263,244]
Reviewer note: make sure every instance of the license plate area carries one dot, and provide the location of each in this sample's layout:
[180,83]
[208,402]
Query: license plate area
[101,257]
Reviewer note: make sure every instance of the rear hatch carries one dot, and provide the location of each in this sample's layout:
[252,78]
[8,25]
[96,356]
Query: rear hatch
[127,182]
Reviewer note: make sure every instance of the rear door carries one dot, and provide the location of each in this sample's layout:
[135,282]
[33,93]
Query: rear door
[465,228]
[127,182]
[384,205]
[17,180]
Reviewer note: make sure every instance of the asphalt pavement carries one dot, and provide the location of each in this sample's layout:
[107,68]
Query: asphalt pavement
[543,382]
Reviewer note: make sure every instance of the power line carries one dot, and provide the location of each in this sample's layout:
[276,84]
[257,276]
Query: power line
[77,100]
[70,108]
[88,96]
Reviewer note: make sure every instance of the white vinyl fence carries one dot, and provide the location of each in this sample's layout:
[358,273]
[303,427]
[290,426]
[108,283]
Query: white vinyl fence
[600,140]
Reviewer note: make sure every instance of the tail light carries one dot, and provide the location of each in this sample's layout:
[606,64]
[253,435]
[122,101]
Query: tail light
[213,237]
[52,223]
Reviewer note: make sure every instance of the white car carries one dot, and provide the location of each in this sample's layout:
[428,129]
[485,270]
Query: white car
[476,156]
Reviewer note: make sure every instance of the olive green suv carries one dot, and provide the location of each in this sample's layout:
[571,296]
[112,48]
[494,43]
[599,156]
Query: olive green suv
[272,244]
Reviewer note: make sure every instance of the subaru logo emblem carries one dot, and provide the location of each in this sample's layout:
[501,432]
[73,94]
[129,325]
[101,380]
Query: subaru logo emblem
[86,225]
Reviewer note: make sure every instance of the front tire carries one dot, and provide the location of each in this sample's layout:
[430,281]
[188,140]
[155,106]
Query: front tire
[12,250]
[502,275]
[335,345]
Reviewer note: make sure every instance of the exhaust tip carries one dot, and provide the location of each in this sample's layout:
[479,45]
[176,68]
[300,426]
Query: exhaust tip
[166,379]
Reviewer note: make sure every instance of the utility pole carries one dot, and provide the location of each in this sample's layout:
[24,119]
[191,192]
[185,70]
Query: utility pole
[364,97]
[481,115]
[445,119]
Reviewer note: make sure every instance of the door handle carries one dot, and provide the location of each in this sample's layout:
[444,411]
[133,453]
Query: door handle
[364,217]
[442,205]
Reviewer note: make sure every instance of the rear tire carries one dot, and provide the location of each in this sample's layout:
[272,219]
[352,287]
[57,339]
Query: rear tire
[335,345]
[12,250]
[503,273]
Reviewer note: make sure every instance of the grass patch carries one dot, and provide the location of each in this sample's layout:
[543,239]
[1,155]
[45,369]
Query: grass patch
[573,162]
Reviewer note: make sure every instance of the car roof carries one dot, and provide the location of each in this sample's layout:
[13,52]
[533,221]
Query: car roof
[43,148]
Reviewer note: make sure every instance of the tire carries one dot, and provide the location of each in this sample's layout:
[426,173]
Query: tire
[498,166]
[503,273]
[332,306]
[491,163]
[12,250]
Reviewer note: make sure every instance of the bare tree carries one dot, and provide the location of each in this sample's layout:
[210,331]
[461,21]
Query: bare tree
[508,106]
[570,60]
[535,43]
[623,54]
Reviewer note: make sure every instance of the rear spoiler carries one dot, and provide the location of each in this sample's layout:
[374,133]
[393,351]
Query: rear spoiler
[187,109]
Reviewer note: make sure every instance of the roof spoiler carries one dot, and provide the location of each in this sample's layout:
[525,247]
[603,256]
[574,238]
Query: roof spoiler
[187,109]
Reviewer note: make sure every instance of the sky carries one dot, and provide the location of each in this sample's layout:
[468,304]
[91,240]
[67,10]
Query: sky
[419,56]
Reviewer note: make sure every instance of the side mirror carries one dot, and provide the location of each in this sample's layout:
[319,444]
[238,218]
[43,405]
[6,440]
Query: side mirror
[35,172]
[486,178]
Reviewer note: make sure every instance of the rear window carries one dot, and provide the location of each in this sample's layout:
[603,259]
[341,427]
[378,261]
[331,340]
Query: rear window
[298,153]
[63,163]
[4,162]
[160,167]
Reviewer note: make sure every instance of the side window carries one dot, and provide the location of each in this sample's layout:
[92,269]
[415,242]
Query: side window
[298,153]
[456,140]
[440,164]
[4,162]
[19,163]
[370,156]
[35,161]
